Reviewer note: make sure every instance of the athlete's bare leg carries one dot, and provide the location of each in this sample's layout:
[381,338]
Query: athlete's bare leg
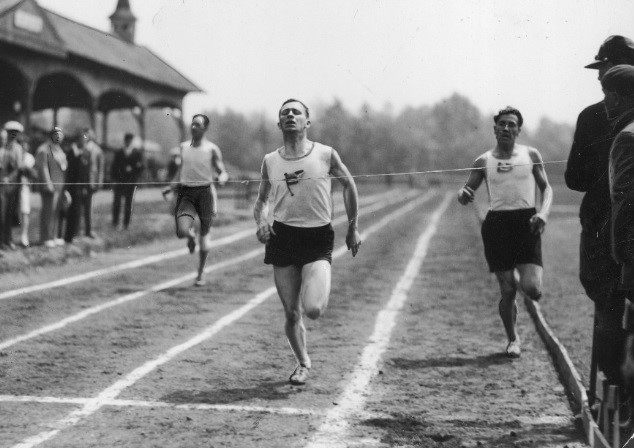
[185,229]
[508,305]
[203,252]
[288,281]
[304,290]
[315,291]
[531,280]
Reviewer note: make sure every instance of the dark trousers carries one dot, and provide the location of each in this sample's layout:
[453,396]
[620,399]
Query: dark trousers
[125,192]
[87,211]
[600,275]
[8,204]
[73,214]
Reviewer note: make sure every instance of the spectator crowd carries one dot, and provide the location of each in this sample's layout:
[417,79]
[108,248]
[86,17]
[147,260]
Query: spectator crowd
[66,175]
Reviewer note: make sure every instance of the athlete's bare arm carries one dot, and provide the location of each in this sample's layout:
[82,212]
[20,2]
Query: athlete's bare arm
[219,166]
[174,181]
[467,193]
[538,221]
[261,208]
[350,200]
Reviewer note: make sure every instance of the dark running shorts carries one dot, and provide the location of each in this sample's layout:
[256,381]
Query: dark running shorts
[299,245]
[196,201]
[508,240]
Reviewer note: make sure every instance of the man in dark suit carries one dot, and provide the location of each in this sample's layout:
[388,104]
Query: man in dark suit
[126,168]
[587,171]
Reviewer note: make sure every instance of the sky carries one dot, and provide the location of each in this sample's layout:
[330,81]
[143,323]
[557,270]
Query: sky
[250,55]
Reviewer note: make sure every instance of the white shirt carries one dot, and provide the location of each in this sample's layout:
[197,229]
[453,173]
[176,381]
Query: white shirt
[300,188]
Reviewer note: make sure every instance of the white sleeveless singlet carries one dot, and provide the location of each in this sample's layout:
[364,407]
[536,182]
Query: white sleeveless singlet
[300,188]
[510,182]
[196,167]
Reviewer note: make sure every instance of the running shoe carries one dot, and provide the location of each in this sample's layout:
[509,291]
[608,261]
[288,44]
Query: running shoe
[200,282]
[191,245]
[513,349]
[299,375]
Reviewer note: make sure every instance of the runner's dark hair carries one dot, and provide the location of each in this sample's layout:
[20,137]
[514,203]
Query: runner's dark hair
[509,110]
[205,119]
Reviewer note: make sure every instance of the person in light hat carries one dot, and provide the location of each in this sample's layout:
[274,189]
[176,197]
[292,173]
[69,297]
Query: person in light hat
[587,172]
[10,165]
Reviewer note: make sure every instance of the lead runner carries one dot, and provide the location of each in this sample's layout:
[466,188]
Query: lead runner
[299,244]
[512,229]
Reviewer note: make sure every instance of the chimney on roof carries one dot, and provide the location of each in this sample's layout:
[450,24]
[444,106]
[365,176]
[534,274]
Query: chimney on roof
[123,21]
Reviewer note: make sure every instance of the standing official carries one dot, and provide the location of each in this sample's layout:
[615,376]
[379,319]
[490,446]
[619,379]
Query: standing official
[618,87]
[126,168]
[587,171]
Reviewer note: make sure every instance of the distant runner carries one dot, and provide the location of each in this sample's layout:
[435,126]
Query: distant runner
[512,229]
[196,194]
[300,241]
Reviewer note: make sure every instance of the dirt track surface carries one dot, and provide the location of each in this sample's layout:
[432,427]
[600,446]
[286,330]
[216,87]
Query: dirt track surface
[441,382]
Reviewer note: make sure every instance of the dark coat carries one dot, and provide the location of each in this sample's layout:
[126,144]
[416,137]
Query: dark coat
[78,171]
[622,189]
[126,169]
[587,168]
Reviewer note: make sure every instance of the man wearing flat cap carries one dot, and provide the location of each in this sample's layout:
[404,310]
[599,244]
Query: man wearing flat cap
[618,87]
[10,165]
[587,172]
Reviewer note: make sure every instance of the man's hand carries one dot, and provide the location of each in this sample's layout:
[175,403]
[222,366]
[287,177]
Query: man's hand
[353,240]
[165,191]
[466,195]
[537,224]
[223,177]
[264,233]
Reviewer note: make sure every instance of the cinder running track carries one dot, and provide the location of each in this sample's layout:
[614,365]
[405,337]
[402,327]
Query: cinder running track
[409,352]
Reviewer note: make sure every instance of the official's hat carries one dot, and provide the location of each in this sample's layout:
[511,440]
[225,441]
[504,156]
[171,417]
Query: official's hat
[615,49]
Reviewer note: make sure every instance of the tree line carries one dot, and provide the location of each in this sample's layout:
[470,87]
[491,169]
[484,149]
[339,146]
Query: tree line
[447,135]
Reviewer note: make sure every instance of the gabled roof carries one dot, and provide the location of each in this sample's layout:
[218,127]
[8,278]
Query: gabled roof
[5,5]
[108,50]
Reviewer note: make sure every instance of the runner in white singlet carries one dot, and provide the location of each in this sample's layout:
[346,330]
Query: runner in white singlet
[196,194]
[512,229]
[296,181]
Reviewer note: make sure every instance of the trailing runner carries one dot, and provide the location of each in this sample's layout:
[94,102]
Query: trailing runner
[512,229]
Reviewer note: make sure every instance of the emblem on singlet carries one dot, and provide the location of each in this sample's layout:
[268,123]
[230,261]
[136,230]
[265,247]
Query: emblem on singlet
[504,167]
[293,179]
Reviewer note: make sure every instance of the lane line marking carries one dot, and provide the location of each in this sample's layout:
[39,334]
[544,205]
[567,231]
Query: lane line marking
[284,410]
[160,287]
[470,417]
[147,260]
[110,393]
[333,431]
